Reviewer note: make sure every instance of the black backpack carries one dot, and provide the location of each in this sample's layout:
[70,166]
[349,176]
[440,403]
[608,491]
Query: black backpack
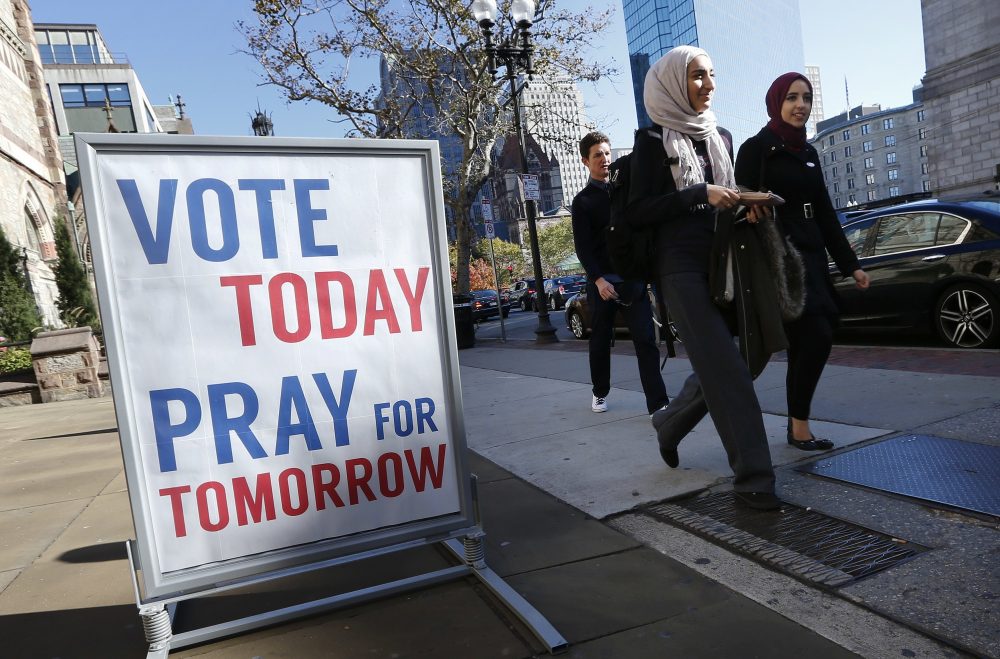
[631,249]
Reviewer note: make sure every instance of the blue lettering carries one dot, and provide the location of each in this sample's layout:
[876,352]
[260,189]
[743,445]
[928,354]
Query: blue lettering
[425,410]
[155,247]
[263,187]
[293,399]
[381,419]
[199,226]
[223,424]
[166,432]
[338,410]
[308,215]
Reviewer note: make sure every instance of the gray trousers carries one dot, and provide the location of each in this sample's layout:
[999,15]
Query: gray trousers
[720,385]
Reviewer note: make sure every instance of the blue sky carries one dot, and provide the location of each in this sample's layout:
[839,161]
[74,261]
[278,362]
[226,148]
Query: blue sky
[192,48]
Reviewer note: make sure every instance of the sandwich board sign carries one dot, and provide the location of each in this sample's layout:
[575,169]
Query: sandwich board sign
[281,343]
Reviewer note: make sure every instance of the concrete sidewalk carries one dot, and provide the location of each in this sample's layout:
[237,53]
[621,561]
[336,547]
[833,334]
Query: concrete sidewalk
[562,492]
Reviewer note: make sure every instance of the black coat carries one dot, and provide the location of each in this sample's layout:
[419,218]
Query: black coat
[591,213]
[765,163]
[655,201]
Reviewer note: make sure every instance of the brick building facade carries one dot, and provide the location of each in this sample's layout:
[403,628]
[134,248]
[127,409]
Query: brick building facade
[32,185]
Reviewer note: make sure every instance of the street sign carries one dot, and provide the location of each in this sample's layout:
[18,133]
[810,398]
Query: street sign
[487,206]
[531,187]
[490,231]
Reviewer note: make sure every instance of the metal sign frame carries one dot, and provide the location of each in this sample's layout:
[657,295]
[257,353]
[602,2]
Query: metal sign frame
[156,584]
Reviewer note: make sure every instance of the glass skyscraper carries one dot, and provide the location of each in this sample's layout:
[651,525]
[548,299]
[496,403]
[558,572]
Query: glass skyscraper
[751,42]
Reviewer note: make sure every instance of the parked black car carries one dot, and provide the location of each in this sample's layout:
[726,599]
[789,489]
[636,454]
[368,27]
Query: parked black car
[485,305]
[578,317]
[561,289]
[934,266]
[520,293]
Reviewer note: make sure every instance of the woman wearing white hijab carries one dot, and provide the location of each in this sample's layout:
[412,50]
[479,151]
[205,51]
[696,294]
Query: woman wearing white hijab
[680,178]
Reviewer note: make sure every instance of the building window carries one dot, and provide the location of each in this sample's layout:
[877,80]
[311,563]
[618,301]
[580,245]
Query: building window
[847,151]
[836,186]
[833,156]
[926,186]
[846,134]
[893,174]
[68,47]
[832,138]
[869,163]
[870,179]
[890,140]
[865,129]
[850,184]
[920,115]
[849,168]
[85,105]
[890,158]
[867,146]
[836,202]
[887,124]
[834,172]
[893,191]
[923,168]
[923,151]
[851,199]
[922,133]
[872,195]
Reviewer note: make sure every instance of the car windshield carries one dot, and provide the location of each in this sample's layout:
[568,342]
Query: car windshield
[484,294]
[572,279]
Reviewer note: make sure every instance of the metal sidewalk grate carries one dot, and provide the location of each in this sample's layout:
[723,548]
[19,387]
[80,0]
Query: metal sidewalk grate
[802,542]
[951,472]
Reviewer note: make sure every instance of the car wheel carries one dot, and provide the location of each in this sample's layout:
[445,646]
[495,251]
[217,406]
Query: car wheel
[967,316]
[576,325]
[524,305]
[553,305]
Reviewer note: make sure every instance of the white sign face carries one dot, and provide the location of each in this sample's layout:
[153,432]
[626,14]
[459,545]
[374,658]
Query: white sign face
[487,206]
[531,187]
[490,230]
[274,323]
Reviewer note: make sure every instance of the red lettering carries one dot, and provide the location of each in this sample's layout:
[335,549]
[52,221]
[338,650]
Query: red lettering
[301,495]
[204,516]
[263,502]
[279,322]
[377,289]
[426,468]
[327,330]
[357,481]
[244,310]
[397,474]
[180,530]
[323,489]
[413,298]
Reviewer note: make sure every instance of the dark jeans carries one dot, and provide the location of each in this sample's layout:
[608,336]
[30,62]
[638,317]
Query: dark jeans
[721,381]
[634,304]
[810,339]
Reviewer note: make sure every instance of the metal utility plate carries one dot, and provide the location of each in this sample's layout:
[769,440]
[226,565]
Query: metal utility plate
[801,542]
[951,472]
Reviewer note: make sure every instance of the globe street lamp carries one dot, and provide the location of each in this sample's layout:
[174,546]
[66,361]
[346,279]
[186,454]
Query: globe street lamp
[515,52]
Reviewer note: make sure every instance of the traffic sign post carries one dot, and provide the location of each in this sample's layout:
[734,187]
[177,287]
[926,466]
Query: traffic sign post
[491,233]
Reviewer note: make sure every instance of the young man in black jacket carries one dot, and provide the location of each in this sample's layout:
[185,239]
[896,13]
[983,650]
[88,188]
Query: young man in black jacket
[608,293]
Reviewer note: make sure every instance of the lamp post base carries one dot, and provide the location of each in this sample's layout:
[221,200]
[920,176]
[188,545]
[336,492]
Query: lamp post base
[545,332]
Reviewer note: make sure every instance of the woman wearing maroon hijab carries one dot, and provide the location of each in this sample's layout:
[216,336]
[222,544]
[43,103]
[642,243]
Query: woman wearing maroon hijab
[778,160]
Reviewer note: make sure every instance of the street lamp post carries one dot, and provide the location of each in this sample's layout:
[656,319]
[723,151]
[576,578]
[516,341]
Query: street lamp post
[515,52]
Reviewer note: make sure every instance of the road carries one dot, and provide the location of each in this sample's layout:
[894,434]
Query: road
[520,326]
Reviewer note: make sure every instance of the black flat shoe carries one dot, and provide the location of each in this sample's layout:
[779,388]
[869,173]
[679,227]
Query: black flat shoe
[758,500]
[814,444]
